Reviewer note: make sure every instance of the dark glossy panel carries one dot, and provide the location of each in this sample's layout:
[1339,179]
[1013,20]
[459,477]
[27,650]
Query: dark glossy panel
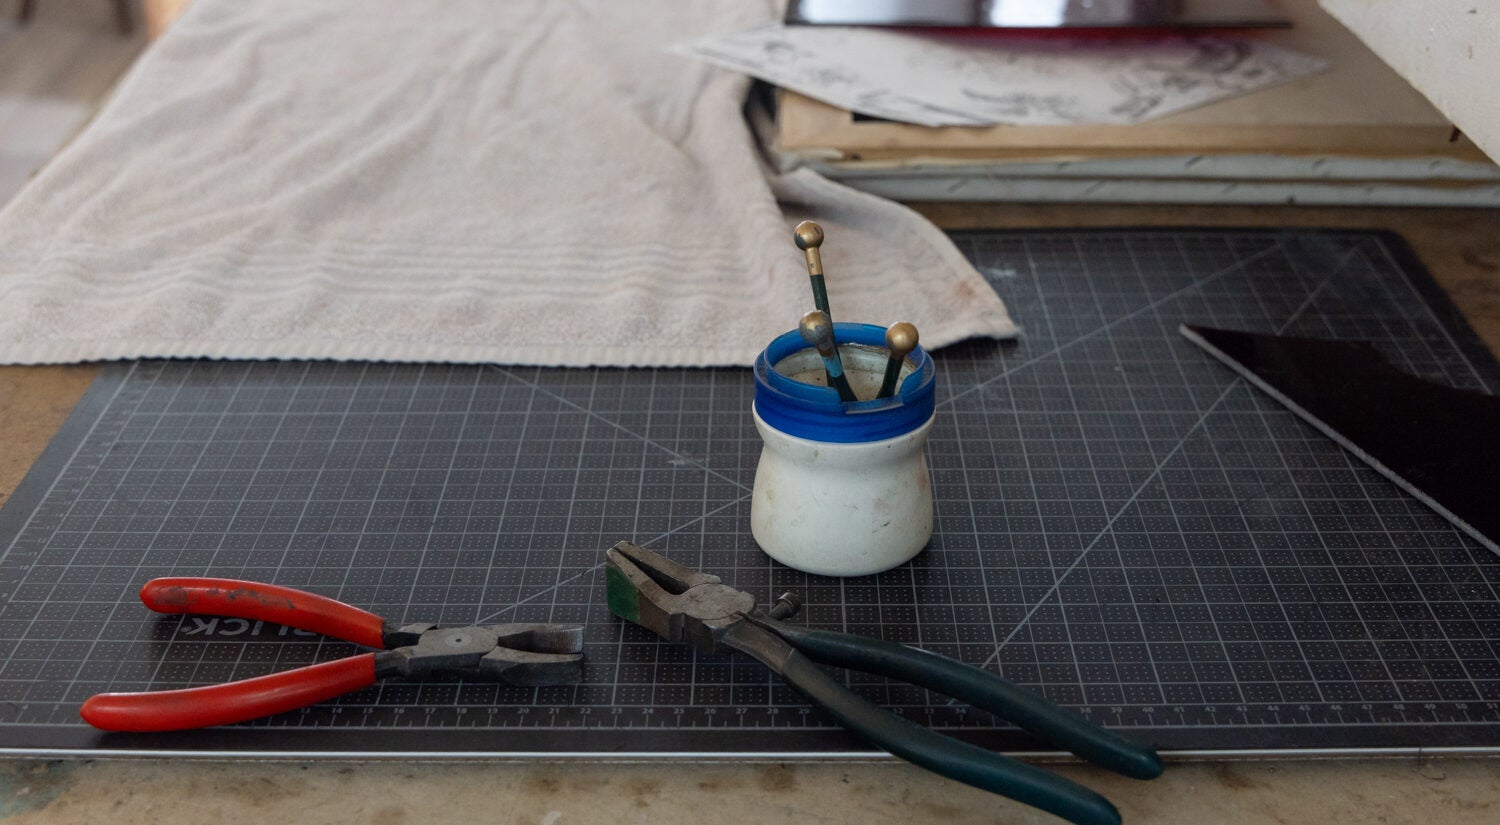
[1441,442]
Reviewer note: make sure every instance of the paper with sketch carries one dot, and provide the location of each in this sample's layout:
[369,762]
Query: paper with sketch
[942,80]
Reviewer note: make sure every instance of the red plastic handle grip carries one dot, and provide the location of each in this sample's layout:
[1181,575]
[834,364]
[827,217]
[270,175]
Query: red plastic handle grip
[203,707]
[267,602]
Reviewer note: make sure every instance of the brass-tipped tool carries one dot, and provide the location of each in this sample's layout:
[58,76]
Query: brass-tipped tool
[809,237]
[817,330]
[900,339]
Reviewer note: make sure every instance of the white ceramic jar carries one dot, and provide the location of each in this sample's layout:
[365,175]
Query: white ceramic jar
[841,489]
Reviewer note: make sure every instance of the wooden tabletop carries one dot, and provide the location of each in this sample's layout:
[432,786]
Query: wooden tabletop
[1461,248]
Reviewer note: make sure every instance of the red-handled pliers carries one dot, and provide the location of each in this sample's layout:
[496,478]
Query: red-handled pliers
[519,654]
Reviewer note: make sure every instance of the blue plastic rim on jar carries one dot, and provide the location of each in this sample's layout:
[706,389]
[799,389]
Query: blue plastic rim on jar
[816,414]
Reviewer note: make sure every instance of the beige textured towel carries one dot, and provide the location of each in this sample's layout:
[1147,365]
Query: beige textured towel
[521,182]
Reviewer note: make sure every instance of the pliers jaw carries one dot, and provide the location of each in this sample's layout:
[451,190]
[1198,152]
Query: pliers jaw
[674,602]
[518,654]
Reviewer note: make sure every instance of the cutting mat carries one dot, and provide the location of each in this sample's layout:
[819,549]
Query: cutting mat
[1122,524]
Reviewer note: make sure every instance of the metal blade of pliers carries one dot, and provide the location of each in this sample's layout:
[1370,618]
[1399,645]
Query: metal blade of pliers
[522,667]
[672,601]
[634,576]
[665,573]
[521,654]
[540,638]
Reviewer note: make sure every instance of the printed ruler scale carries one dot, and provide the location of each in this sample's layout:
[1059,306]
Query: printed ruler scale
[1121,524]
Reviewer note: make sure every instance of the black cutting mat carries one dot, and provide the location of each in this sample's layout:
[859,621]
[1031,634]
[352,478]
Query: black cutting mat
[1121,524]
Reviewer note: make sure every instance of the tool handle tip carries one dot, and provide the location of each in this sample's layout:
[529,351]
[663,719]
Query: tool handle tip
[808,235]
[816,328]
[901,339]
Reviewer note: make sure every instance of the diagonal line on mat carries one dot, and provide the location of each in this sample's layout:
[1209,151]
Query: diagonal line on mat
[1234,384]
[1171,296]
[688,460]
[1112,519]
[575,577]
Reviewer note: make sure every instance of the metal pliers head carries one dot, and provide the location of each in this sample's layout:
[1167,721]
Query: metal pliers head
[519,654]
[672,601]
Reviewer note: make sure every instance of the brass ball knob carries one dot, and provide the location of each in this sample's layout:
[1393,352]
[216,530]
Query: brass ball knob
[901,339]
[808,235]
[817,330]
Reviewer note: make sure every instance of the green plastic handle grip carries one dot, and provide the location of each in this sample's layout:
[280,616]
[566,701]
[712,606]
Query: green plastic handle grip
[981,689]
[960,761]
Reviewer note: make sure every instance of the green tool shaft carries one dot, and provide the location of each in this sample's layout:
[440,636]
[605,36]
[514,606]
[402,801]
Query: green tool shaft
[820,295]
[809,238]
[892,371]
[817,330]
[835,368]
[900,338]
[820,300]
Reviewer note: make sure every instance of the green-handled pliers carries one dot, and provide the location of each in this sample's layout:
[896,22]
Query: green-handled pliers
[684,605]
